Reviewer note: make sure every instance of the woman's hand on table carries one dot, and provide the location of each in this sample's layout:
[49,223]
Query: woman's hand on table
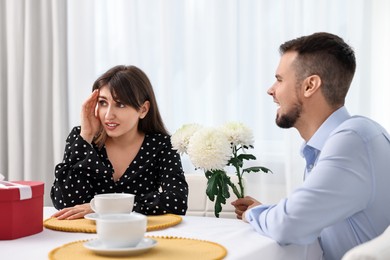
[78,211]
[243,204]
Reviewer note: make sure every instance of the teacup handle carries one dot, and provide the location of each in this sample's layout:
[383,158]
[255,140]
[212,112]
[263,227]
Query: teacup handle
[92,203]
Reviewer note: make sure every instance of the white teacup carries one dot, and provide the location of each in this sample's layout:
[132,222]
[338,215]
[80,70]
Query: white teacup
[109,203]
[121,230]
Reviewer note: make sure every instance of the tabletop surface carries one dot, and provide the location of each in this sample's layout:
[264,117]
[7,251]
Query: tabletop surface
[238,237]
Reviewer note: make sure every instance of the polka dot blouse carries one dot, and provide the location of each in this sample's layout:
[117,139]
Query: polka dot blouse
[155,176]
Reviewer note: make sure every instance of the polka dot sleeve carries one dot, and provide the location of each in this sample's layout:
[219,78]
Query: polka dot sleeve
[77,175]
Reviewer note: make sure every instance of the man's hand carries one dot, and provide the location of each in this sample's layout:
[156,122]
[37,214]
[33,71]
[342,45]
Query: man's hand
[243,204]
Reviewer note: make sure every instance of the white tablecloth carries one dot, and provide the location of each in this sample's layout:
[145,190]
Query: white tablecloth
[240,240]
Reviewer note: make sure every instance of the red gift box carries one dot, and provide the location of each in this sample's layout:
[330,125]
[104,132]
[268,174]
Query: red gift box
[21,207]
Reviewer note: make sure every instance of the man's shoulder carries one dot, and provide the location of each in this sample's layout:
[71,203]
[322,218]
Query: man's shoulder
[361,125]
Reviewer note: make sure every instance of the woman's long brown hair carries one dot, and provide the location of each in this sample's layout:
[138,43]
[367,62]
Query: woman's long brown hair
[131,86]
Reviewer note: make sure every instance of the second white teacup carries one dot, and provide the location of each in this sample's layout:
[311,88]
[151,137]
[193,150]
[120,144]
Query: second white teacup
[121,230]
[109,203]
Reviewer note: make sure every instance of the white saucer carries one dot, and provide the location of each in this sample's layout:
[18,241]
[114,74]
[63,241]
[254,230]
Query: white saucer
[143,246]
[91,216]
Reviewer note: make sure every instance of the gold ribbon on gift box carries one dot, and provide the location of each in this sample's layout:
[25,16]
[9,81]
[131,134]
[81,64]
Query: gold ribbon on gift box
[88,226]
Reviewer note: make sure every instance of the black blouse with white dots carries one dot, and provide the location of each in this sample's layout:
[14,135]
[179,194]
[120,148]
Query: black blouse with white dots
[155,176]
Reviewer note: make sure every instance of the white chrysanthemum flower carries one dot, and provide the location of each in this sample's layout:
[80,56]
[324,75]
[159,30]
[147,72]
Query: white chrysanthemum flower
[209,149]
[238,133]
[181,137]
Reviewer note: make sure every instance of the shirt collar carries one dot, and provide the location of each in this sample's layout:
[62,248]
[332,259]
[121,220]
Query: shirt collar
[319,138]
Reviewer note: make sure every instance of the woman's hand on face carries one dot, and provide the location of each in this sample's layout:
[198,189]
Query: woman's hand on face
[90,123]
[78,211]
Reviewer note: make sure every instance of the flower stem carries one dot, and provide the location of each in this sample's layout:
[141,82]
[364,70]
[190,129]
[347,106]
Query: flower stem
[235,190]
[240,182]
[239,194]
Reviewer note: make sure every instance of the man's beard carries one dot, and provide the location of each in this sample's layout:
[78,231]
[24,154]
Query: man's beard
[288,120]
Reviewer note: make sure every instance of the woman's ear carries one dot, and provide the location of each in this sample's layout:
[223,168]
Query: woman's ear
[144,109]
[311,85]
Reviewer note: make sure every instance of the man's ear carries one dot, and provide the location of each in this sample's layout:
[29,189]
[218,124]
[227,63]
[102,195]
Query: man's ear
[311,85]
[144,109]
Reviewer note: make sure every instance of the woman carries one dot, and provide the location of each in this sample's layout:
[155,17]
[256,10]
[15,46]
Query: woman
[121,146]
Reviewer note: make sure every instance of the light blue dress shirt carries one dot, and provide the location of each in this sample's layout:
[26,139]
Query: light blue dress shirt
[345,198]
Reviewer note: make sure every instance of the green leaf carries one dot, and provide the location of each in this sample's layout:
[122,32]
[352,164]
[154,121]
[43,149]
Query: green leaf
[237,162]
[218,204]
[246,147]
[264,169]
[208,174]
[217,208]
[218,189]
[212,186]
[246,156]
[257,169]
[218,182]
[224,186]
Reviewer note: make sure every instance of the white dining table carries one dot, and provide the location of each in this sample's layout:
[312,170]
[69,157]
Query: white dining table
[238,237]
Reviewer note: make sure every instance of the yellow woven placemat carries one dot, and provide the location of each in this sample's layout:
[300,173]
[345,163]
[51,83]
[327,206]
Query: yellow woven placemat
[88,226]
[167,248]
[162,221]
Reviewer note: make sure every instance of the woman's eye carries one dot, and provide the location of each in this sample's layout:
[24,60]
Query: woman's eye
[121,105]
[102,103]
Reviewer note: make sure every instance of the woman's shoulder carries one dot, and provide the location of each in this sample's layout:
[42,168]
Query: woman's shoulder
[74,133]
[158,139]
[76,130]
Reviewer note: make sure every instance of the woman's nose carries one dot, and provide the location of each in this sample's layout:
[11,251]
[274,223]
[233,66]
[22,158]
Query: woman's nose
[110,113]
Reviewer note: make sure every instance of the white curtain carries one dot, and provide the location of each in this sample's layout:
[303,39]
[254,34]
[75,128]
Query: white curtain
[33,75]
[209,62]
[212,62]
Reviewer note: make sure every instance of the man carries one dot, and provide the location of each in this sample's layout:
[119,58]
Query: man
[345,198]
